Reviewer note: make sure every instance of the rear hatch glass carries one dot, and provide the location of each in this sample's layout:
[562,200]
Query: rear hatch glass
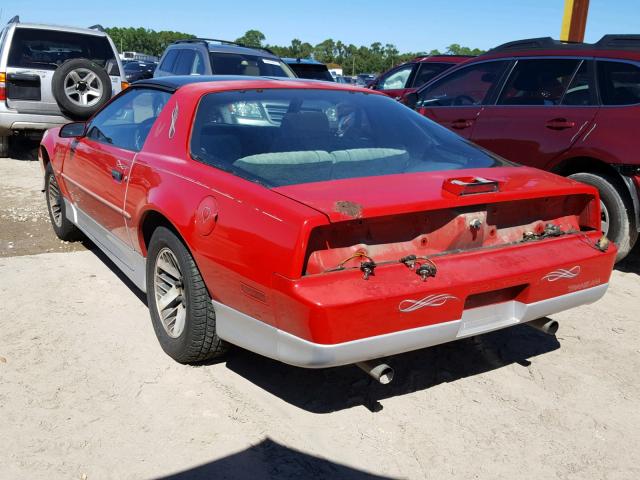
[290,136]
[48,49]
[252,65]
[311,71]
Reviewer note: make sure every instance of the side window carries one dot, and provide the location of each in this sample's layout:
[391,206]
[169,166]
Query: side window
[396,79]
[184,64]
[619,83]
[581,91]
[169,61]
[126,122]
[468,86]
[538,82]
[198,65]
[428,71]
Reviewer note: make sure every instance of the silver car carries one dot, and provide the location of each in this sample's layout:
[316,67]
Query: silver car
[50,75]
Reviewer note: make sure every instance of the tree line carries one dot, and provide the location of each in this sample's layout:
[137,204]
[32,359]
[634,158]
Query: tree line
[353,59]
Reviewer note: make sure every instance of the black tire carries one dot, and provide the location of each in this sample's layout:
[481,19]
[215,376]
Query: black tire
[62,227]
[622,228]
[4,146]
[83,68]
[198,340]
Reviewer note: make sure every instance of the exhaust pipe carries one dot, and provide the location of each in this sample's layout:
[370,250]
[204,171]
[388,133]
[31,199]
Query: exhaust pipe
[545,325]
[380,372]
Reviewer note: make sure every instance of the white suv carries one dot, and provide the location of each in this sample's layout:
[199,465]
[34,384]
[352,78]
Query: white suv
[51,75]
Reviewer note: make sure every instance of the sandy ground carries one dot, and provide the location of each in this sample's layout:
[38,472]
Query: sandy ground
[87,393]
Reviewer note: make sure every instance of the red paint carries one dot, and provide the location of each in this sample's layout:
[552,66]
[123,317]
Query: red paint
[254,258]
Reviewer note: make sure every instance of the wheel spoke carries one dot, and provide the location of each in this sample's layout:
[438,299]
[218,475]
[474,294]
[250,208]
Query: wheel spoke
[168,298]
[169,293]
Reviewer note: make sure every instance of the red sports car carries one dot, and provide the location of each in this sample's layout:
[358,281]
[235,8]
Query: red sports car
[315,223]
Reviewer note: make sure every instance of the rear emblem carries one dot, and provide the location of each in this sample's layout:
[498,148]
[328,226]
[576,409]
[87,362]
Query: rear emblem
[436,300]
[561,273]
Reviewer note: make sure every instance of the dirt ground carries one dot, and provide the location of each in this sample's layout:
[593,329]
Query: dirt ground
[87,393]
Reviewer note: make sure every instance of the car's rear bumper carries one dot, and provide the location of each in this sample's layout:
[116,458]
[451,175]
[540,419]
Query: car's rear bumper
[259,337]
[12,121]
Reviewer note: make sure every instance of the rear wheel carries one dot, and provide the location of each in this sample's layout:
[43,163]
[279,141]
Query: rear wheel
[62,227]
[183,316]
[617,219]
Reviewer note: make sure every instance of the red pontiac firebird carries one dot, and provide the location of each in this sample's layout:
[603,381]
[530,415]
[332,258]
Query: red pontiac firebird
[315,223]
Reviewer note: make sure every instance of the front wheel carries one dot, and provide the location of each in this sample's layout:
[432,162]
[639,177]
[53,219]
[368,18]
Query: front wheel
[62,226]
[617,220]
[183,316]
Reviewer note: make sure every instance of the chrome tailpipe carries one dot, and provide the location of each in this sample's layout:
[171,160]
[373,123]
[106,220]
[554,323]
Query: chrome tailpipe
[545,325]
[380,372]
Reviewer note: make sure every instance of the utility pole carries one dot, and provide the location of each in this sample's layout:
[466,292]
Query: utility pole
[574,21]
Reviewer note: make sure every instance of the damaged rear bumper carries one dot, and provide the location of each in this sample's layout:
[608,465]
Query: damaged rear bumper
[247,332]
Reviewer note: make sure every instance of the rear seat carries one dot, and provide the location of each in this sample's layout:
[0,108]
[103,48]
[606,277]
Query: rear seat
[315,165]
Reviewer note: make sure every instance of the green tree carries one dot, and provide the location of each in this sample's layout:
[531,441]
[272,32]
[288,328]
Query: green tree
[252,38]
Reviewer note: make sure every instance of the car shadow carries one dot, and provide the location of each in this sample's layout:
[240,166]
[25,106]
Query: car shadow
[114,268]
[269,459]
[333,389]
[631,264]
[21,148]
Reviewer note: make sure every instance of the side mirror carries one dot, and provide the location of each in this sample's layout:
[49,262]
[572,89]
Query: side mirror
[411,100]
[73,130]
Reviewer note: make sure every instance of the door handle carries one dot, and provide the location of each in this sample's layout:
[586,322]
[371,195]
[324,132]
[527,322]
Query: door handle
[461,124]
[116,174]
[560,124]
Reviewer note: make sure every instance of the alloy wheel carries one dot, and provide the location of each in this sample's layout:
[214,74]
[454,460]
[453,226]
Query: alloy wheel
[53,192]
[171,302]
[83,87]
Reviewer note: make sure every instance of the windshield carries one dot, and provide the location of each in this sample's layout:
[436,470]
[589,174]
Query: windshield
[48,49]
[291,136]
[252,65]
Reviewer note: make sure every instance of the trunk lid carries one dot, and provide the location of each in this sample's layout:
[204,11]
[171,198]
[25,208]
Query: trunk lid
[411,218]
[368,197]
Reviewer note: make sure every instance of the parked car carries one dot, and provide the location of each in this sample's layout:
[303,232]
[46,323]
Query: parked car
[365,79]
[202,56]
[565,107]
[344,79]
[408,77]
[51,74]
[347,229]
[135,70]
[309,69]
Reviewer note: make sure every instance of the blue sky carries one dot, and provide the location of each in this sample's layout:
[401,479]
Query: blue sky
[411,26]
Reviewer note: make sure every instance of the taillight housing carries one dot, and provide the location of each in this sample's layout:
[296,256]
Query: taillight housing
[3,86]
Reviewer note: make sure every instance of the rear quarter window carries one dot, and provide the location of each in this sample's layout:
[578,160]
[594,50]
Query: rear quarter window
[619,83]
[48,49]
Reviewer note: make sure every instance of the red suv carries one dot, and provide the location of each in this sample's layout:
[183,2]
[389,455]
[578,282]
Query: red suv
[571,108]
[408,77]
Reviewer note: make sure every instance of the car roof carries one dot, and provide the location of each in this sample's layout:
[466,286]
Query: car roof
[224,46]
[442,58]
[60,28]
[617,45]
[217,82]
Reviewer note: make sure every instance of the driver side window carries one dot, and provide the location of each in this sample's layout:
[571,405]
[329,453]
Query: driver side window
[126,122]
[468,86]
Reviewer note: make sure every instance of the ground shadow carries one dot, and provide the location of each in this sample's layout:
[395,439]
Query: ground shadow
[631,264]
[22,148]
[270,460]
[114,268]
[332,389]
